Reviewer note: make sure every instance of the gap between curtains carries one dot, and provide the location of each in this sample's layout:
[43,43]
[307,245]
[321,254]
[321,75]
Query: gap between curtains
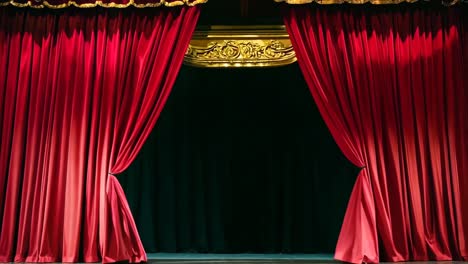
[212,141]
[391,86]
[81,91]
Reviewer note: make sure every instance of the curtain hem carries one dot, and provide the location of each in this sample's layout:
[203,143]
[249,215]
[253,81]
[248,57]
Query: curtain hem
[125,245]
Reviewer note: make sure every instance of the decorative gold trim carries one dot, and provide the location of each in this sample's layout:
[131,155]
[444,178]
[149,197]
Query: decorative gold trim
[45,4]
[240,46]
[374,2]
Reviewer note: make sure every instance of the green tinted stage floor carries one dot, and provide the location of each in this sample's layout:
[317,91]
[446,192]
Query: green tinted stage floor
[187,258]
[190,256]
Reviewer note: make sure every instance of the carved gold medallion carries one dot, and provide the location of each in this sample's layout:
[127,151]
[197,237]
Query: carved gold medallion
[240,46]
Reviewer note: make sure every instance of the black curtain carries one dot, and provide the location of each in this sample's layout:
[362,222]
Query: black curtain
[239,162]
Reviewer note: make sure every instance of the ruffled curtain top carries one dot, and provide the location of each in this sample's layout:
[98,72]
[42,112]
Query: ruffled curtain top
[57,4]
[375,2]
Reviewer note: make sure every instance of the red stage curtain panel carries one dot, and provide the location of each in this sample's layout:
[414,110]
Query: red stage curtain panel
[392,87]
[79,93]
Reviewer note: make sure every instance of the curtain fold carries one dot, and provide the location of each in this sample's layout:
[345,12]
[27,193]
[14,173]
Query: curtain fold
[80,93]
[391,86]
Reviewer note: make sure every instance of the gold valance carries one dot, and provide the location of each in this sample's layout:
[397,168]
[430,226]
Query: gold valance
[57,4]
[240,46]
[376,2]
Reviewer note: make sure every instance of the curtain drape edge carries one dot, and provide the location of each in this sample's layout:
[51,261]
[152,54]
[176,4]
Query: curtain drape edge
[361,205]
[126,245]
[122,217]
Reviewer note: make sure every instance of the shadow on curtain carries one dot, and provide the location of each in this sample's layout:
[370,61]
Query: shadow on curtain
[391,84]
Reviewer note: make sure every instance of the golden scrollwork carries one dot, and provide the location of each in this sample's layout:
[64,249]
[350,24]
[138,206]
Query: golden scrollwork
[240,47]
[357,2]
[45,4]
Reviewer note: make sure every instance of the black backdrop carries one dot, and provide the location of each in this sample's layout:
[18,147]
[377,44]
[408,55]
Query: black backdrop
[239,161]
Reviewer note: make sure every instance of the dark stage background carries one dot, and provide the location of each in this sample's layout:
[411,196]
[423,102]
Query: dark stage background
[239,162]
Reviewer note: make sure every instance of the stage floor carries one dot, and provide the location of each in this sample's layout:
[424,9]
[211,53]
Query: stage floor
[237,257]
[163,258]
[279,261]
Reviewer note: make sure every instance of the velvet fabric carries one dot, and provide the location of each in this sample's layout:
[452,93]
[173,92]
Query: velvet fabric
[391,85]
[79,93]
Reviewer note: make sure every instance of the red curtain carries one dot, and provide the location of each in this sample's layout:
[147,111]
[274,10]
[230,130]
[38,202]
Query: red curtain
[391,84]
[79,93]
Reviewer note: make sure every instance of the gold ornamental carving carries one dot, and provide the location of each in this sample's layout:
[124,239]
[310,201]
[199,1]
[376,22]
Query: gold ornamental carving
[361,2]
[130,3]
[246,46]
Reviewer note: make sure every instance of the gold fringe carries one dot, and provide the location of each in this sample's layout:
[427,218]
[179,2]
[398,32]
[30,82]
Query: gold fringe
[375,2]
[45,4]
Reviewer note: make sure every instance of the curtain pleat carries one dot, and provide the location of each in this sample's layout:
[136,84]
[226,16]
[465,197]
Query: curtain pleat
[391,86]
[80,92]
